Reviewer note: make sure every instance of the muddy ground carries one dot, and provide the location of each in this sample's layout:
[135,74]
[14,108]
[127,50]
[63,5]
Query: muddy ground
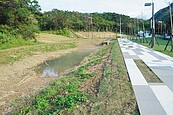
[19,79]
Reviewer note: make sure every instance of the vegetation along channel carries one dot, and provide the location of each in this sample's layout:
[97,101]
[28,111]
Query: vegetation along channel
[99,86]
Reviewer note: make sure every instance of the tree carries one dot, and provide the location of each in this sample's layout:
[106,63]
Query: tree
[16,17]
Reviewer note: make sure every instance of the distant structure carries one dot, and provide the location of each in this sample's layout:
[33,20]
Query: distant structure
[89,23]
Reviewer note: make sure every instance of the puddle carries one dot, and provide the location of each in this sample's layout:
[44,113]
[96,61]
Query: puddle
[58,66]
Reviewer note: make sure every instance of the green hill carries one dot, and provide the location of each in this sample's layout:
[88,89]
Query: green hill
[163,14]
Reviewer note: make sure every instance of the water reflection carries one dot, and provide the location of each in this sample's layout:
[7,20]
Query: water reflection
[49,72]
[62,64]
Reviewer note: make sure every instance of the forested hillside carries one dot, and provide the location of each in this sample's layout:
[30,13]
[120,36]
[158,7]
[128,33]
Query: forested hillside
[23,18]
[17,19]
[163,16]
[57,19]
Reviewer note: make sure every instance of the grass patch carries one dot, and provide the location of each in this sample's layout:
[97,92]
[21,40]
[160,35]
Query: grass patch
[18,43]
[115,95]
[63,32]
[149,75]
[17,48]
[9,56]
[160,47]
[61,95]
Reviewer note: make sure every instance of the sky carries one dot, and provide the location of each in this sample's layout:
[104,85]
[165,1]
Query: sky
[132,8]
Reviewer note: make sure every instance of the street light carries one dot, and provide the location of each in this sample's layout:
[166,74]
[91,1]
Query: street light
[148,4]
[153,25]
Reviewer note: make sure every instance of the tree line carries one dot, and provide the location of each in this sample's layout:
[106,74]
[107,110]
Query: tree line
[23,18]
[58,19]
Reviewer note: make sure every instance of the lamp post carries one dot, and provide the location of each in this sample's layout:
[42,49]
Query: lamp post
[153,24]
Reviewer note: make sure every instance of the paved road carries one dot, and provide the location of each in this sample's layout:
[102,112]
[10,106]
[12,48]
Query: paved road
[152,98]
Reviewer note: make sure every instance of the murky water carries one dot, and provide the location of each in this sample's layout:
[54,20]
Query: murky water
[58,66]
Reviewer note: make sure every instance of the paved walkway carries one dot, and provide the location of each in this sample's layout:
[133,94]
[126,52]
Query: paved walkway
[152,98]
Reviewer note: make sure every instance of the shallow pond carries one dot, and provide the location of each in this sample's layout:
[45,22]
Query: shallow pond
[58,66]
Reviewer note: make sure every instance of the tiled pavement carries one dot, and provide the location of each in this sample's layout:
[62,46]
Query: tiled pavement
[152,98]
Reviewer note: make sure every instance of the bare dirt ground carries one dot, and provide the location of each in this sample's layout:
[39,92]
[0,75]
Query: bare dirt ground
[96,34]
[19,78]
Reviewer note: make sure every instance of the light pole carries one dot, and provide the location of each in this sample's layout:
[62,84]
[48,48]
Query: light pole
[153,23]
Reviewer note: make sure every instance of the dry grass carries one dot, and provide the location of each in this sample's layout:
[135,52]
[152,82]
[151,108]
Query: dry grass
[96,34]
[52,38]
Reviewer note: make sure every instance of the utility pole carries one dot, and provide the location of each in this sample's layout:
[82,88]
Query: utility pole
[91,26]
[87,24]
[134,32]
[120,28]
[137,22]
[170,12]
[165,28]
[153,26]
[158,28]
[161,28]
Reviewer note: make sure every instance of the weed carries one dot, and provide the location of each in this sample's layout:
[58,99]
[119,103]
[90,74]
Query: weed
[18,42]
[64,94]
[41,103]
[115,92]
[71,87]
[19,53]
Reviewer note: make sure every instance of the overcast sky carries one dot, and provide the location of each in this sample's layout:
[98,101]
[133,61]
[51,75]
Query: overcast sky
[133,8]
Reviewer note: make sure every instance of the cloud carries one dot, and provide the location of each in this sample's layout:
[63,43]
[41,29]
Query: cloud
[133,8]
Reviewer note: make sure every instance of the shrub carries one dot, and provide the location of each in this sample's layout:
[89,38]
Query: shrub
[42,103]
[64,32]
[28,31]
[3,38]
[70,101]
[6,29]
